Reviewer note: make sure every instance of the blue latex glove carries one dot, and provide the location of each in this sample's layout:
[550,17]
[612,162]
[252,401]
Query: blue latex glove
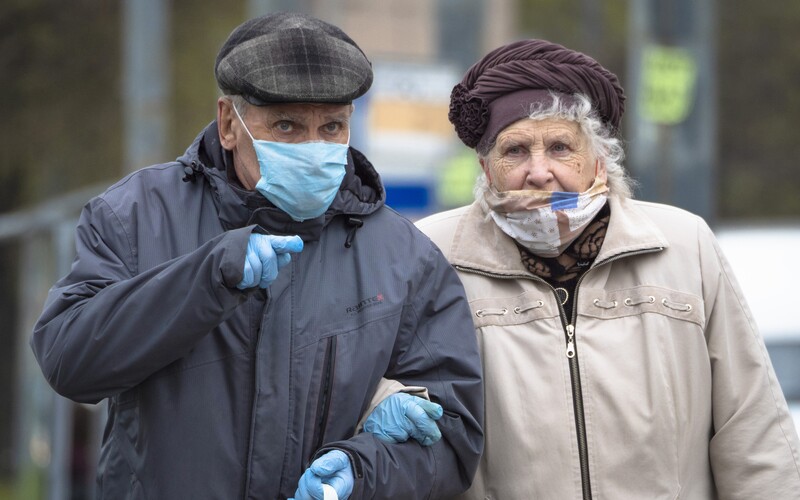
[332,468]
[266,254]
[402,416]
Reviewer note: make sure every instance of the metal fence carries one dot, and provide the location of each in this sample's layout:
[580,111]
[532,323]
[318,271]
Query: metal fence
[55,440]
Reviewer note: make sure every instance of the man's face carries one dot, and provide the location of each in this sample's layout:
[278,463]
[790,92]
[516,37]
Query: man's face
[293,123]
[548,155]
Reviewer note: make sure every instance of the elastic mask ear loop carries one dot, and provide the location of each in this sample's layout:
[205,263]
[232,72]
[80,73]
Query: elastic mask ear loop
[597,165]
[241,120]
[350,130]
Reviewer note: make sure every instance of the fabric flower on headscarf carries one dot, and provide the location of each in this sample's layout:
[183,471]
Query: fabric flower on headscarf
[469,114]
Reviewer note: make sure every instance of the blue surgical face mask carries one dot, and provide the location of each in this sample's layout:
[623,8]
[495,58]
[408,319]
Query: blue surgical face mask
[300,179]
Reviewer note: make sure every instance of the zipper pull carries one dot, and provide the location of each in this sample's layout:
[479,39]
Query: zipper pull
[570,341]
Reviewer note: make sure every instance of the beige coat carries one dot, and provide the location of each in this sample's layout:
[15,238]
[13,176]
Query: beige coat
[671,387]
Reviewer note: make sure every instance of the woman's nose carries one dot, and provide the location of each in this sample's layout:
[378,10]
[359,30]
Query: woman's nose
[539,174]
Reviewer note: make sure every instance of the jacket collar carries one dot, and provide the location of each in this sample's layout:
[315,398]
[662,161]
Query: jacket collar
[360,193]
[479,244]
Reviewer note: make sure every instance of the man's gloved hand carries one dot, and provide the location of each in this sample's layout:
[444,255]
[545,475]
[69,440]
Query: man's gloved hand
[332,468]
[402,416]
[266,254]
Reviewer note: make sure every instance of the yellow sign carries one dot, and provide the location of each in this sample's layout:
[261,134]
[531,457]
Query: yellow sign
[397,115]
[669,77]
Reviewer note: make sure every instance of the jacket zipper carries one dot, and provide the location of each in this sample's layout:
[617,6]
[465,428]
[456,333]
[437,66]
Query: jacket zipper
[256,389]
[324,394]
[572,356]
[577,391]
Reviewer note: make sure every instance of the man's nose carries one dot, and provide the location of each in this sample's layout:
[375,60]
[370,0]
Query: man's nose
[306,137]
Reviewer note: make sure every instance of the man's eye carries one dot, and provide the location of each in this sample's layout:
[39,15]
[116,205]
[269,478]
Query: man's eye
[332,127]
[284,126]
[560,147]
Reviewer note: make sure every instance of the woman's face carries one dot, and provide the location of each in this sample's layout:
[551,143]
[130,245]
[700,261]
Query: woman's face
[548,155]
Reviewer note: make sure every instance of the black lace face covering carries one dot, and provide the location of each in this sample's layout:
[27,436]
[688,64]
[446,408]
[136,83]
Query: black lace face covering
[562,272]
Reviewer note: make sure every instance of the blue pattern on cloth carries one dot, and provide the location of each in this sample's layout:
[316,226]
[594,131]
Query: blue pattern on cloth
[560,200]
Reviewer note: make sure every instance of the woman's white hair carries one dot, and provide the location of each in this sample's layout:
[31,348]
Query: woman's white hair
[603,143]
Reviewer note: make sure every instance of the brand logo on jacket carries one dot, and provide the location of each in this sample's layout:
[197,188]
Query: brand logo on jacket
[372,301]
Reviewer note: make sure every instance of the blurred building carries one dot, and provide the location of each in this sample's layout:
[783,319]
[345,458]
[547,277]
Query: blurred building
[419,49]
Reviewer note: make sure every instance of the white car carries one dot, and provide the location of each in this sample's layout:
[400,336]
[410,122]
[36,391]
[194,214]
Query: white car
[764,261]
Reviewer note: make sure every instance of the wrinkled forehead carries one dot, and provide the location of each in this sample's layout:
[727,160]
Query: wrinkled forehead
[541,129]
[307,111]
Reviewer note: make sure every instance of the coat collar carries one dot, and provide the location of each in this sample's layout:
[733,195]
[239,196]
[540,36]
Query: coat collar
[479,244]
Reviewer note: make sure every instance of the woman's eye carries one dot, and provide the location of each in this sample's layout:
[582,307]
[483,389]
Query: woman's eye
[514,151]
[560,147]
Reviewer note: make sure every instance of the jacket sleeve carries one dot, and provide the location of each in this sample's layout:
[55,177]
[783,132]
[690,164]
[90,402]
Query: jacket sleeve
[437,349]
[754,449]
[105,327]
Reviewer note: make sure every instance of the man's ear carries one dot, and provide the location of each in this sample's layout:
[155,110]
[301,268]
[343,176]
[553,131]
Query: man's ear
[225,117]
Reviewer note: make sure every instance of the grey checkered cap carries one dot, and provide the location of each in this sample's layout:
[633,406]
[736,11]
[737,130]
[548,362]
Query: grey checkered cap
[291,57]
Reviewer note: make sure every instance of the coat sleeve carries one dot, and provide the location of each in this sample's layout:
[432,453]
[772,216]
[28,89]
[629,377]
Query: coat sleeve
[437,349]
[754,449]
[105,327]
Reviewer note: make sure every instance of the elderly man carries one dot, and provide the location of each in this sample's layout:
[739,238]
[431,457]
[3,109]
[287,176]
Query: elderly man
[238,307]
[620,360]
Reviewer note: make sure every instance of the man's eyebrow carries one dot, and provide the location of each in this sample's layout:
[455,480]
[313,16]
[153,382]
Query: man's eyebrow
[339,116]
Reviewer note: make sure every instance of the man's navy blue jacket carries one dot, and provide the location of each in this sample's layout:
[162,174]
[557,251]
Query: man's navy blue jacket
[220,393]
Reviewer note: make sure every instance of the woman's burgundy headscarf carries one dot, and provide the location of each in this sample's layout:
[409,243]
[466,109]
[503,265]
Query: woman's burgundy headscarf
[496,90]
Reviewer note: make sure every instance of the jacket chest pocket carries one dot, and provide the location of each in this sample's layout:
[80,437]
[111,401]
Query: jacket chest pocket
[341,368]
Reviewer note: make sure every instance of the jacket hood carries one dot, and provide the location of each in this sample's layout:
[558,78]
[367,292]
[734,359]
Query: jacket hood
[361,192]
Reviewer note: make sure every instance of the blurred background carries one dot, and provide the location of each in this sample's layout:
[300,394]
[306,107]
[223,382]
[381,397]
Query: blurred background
[97,89]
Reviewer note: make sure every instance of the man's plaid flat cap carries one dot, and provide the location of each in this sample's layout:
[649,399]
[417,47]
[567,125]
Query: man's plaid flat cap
[291,57]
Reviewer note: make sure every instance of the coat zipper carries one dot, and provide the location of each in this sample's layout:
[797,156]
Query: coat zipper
[324,394]
[572,356]
[577,391]
[256,389]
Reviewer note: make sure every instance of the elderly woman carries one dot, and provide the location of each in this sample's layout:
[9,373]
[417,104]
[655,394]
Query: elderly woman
[619,357]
